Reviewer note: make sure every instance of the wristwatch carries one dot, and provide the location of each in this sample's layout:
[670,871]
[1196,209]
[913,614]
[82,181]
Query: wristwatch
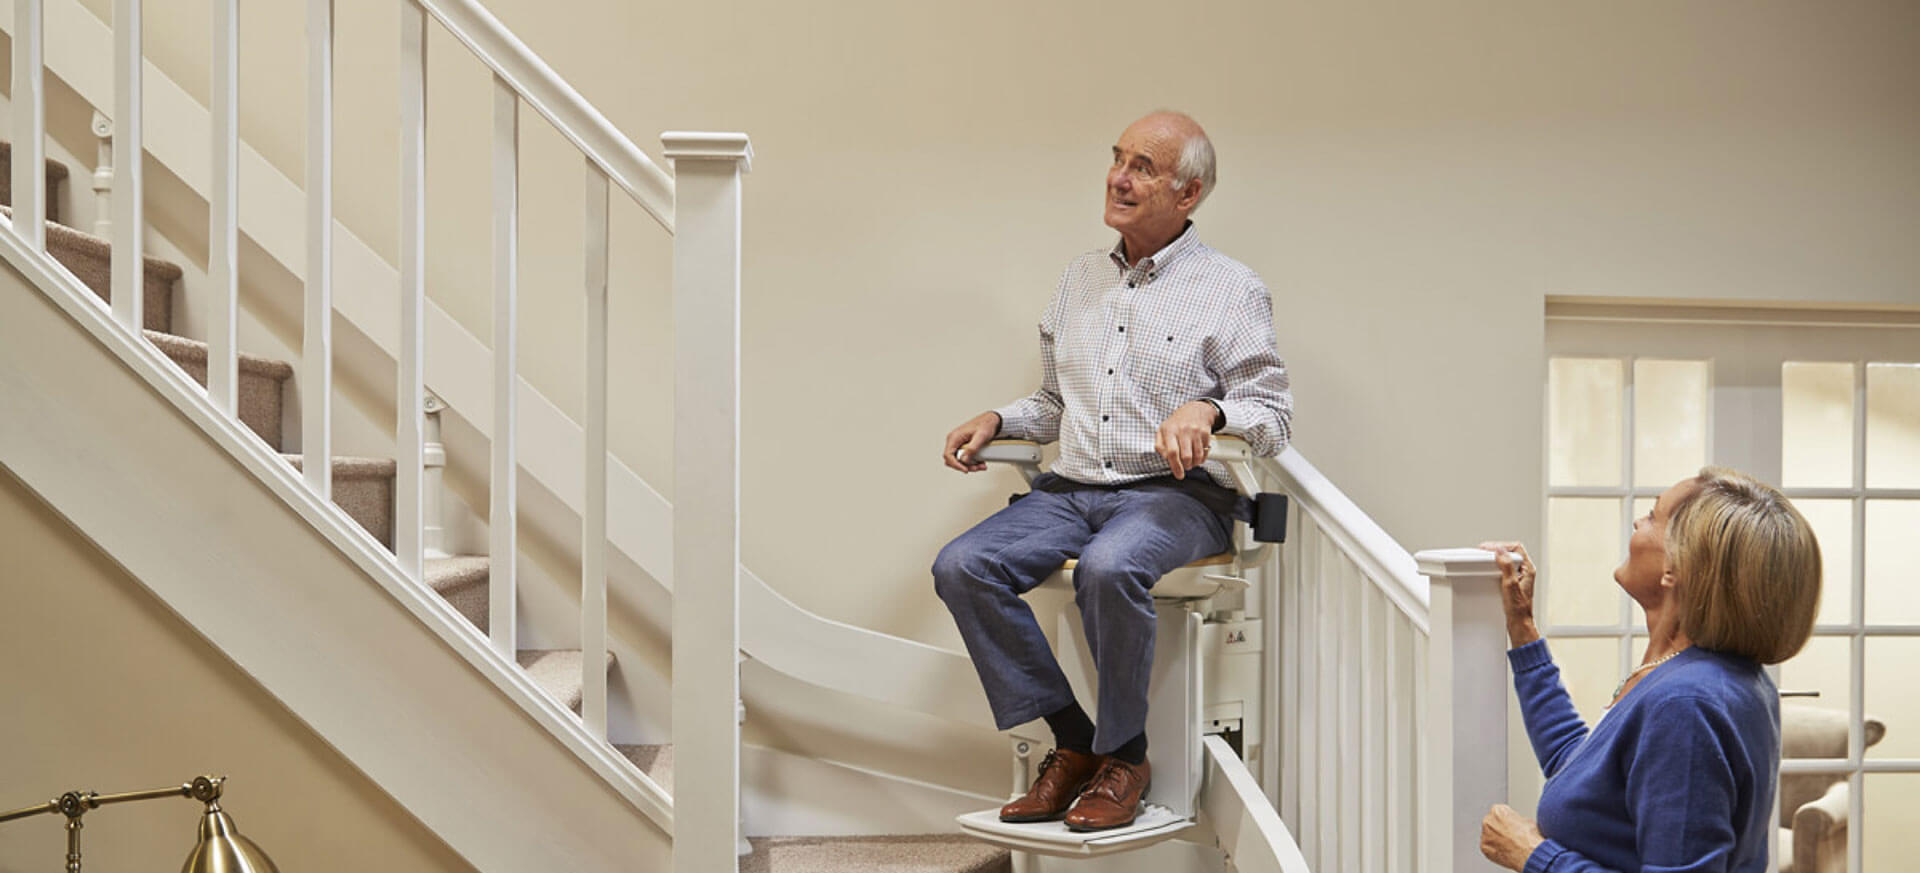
[1219,415]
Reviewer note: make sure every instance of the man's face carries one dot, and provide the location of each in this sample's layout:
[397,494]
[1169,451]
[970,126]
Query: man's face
[1141,201]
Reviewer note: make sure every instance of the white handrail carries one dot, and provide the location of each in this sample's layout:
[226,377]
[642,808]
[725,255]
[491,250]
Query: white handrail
[1246,827]
[559,103]
[1357,534]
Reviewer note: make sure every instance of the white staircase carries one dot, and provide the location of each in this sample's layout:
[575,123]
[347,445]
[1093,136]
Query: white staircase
[380,656]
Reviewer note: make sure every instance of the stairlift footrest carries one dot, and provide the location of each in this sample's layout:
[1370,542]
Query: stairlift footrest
[1155,824]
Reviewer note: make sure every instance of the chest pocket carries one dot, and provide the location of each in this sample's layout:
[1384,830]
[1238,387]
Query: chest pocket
[1170,362]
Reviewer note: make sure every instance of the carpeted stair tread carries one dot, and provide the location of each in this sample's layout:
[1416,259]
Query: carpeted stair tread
[655,761]
[558,672]
[88,257]
[462,581]
[364,488]
[261,381]
[920,853]
[56,173]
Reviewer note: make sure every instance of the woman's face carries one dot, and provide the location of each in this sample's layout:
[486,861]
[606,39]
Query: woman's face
[1642,573]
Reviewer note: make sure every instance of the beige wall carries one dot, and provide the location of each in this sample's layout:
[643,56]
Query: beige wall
[108,691]
[1411,179]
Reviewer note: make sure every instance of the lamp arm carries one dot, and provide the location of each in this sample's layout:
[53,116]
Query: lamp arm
[26,811]
[74,804]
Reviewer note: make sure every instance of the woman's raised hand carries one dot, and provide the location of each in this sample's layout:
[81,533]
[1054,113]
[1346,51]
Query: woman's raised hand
[1516,590]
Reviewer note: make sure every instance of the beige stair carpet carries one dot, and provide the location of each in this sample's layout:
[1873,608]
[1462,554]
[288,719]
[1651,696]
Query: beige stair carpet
[923,853]
[364,488]
[262,382]
[462,581]
[89,258]
[655,761]
[558,671]
[56,174]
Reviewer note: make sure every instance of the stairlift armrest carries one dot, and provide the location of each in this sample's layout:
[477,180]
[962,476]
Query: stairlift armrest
[1023,455]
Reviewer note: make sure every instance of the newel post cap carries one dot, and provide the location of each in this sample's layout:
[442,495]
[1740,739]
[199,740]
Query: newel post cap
[1457,564]
[685,145]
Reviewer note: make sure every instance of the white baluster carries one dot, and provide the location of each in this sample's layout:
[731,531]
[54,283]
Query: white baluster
[593,516]
[410,515]
[127,285]
[433,456]
[103,176]
[29,127]
[316,372]
[706,504]
[1465,757]
[504,517]
[223,212]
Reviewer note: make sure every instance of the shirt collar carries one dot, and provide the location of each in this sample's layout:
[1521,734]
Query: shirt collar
[1181,245]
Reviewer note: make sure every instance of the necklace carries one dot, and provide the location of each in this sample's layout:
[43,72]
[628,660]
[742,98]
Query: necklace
[1618,689]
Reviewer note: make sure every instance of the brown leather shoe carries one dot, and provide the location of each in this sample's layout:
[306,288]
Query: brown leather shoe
[1063,772]
[1112,799]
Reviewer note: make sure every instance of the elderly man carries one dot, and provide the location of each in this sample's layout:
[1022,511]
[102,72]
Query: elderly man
[1147,349]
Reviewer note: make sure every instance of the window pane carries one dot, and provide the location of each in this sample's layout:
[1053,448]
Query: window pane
[1669,420]
[1589,667]
[1890,804]
[1583,548]
[1889,695]
[1583,411]
[1832,522]
[1816,425]
[1893,561]
[1893,425]
[1822,666]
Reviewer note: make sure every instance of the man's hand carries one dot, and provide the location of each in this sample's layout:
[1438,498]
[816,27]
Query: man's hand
[1508,838]
[1186,437]
[965,440]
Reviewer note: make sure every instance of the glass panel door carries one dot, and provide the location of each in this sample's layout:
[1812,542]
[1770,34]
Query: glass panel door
[1831,413]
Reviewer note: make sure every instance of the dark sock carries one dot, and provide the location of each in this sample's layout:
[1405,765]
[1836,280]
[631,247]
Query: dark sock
[1072,729]
[1133,751]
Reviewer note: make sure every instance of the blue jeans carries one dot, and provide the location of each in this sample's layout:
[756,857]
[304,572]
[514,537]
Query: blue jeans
[1126,540]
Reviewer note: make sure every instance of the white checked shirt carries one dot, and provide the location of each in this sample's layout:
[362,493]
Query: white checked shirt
[1122,347]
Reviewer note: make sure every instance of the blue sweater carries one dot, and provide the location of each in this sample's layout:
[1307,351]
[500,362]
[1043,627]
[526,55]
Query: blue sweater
[1677,777]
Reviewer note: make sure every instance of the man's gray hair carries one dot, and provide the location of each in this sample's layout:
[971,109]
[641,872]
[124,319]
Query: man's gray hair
[1196,162]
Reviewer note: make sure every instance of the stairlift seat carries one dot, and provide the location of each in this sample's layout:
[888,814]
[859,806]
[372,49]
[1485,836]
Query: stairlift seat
[1176,715]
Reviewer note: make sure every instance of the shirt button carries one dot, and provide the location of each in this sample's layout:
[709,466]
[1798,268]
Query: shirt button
[1109,465]
[1129,284]
[1109,372]
[1123,328]
[1103,418]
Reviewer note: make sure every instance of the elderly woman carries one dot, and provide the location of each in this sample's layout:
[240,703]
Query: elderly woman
[1678,773]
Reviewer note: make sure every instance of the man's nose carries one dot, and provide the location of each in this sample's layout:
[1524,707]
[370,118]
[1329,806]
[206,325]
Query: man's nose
[1118,179]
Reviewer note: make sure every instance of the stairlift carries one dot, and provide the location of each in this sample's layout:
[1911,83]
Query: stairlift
[1205,677]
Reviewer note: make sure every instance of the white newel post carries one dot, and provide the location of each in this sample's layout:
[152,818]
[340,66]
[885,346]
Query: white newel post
[1466,717]
[706,500]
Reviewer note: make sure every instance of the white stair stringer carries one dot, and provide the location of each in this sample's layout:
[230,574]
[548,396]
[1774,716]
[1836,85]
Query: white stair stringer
[376,665]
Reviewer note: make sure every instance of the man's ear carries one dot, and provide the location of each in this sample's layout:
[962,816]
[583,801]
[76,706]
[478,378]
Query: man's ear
[1190,197]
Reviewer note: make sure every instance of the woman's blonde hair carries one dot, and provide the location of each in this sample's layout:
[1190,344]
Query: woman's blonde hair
[1747,568]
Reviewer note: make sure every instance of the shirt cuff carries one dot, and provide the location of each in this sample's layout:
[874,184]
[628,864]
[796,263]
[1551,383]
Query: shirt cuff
[1013,425]
[1237,420]
[1541,861]
[1530,656]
